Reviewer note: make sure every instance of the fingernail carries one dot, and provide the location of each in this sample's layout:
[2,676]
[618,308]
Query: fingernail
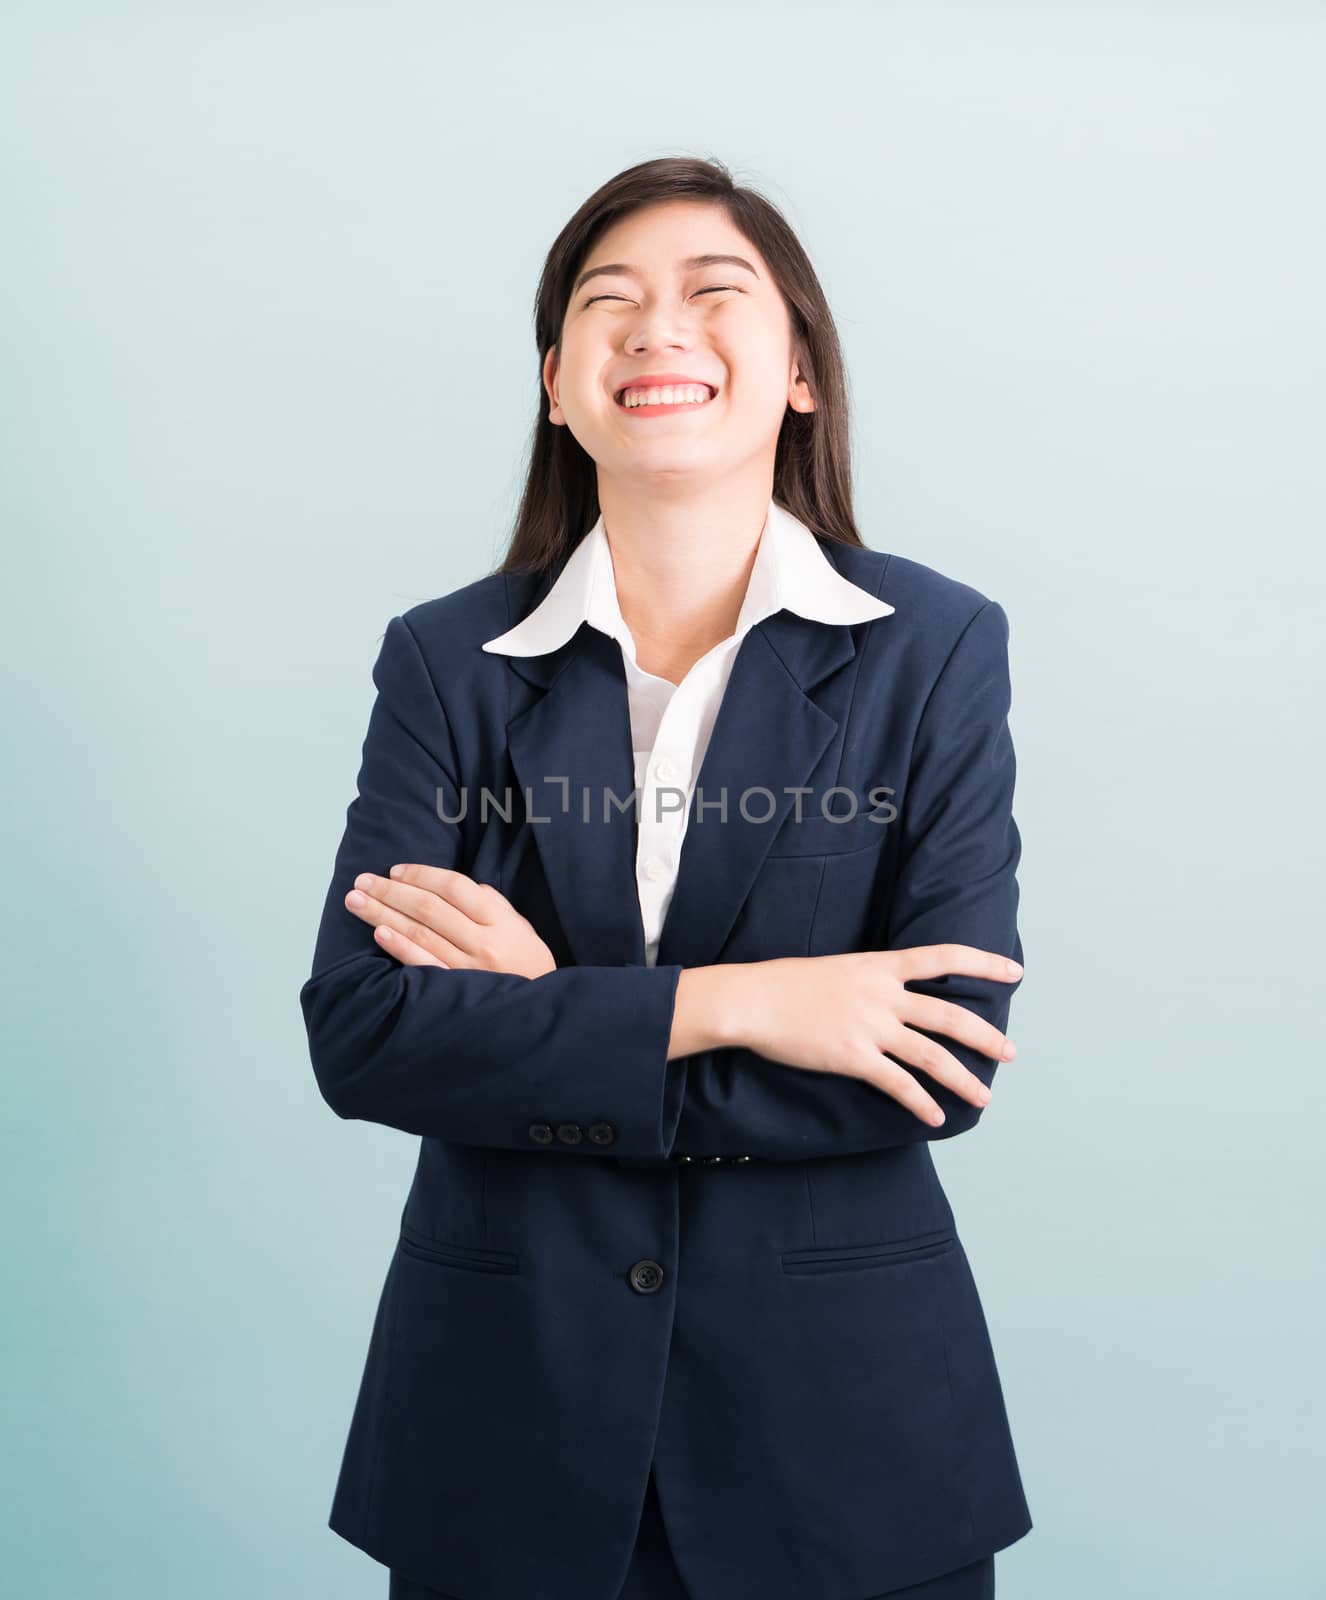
[353,899]
[983,1098]
[1015,969]
[397,870]
[937,1118]
[1010,1050]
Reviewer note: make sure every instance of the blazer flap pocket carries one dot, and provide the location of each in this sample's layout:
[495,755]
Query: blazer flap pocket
[442,1252]
[850,1257]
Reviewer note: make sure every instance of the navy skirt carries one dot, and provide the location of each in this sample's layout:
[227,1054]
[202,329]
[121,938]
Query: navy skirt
[653,1573]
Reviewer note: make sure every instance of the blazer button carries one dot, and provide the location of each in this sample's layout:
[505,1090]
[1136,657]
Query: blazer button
[646,1277]
[540,1132]
[741,1160]
[711,1161]
[685,1161]
[602,1132]
[569,1132]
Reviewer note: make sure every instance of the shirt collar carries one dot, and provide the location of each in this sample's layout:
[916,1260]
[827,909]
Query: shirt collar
[791,570]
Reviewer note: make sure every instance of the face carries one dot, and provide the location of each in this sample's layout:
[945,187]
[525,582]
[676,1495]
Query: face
[643,307]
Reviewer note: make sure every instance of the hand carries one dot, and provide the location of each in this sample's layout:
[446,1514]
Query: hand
[841,1013]
[436,917]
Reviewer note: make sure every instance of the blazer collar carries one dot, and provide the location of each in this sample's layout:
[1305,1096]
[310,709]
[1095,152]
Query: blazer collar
[571,747]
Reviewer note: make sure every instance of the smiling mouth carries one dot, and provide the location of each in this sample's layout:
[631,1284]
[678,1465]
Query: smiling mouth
[654,407]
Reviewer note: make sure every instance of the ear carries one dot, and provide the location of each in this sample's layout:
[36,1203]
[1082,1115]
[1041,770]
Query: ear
[550,384]
[799,396]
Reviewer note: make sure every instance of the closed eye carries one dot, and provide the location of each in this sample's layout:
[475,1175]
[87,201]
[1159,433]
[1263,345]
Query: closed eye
[714,288]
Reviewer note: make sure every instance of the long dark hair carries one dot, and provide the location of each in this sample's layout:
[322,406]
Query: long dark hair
[812,464]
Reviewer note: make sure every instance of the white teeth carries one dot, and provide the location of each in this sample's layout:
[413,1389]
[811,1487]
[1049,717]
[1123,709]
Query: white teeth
[681,394]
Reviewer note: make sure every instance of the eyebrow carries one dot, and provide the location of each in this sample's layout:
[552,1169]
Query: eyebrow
[621,269]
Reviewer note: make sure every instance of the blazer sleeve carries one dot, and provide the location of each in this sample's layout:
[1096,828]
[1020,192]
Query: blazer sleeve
[956,882]
[470,1056]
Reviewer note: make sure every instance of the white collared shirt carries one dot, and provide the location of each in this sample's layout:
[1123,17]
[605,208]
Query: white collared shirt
[671,723]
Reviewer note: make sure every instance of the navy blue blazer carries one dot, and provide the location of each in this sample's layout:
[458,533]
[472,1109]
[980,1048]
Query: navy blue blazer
[794,1341]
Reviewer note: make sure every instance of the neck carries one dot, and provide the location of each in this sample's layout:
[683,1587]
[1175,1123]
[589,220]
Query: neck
[682,565]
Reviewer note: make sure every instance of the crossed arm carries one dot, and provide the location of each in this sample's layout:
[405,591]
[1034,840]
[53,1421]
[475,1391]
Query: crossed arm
[457,1024]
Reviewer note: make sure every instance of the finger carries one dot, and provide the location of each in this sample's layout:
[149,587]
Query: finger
[938,1063]
[899,1084]
[368,908]
[455,905]
[944,1016]
[405,950]
[456,888]
[939,960]
[422,908]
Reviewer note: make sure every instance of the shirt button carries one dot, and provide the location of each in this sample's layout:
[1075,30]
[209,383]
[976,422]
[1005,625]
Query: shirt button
[664,771]
[654,869]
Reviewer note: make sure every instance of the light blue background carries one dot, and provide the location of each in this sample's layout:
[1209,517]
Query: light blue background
[268,380]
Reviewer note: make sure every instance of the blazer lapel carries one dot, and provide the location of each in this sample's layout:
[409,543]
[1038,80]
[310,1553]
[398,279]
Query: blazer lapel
[572,748]
[769,736]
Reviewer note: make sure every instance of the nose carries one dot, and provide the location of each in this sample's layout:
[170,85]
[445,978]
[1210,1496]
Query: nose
[662,327]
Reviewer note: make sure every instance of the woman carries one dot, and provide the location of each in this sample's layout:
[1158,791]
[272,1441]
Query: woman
[674,914]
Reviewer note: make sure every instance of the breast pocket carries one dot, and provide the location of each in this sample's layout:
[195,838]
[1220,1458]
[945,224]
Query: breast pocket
[835,835]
